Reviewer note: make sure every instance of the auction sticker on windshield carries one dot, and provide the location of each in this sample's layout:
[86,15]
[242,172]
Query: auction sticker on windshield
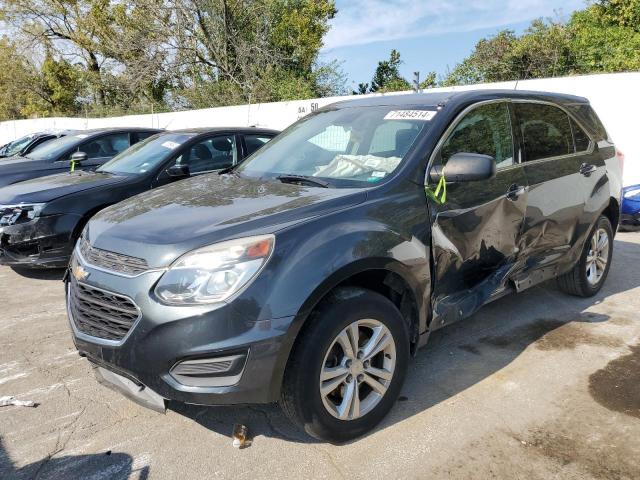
[424,115]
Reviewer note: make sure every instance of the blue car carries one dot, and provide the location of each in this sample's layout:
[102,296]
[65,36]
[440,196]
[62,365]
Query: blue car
[630,208]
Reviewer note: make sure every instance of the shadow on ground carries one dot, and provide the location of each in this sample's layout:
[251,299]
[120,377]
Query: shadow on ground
[114,466]
[40,273]
[461,355]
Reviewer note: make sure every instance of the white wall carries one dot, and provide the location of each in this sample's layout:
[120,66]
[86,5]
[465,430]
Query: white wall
[615,98]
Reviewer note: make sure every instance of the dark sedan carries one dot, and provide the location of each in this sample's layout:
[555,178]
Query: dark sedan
[23,145]
[55,156]
[40,219]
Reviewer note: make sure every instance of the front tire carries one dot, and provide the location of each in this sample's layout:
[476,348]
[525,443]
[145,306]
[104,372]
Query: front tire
[589,274]
[347,367]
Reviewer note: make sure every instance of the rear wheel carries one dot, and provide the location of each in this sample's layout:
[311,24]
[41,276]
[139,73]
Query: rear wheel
[589,274]
[347,368]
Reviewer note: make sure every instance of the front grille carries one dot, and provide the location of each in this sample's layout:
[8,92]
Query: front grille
[114,262]
[99,313]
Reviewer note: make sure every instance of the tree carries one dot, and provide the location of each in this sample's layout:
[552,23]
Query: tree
[261,50]
[430,81]
[68,27]
[16,81]
[363,88]
[604,37]
[58,86]
[387,74]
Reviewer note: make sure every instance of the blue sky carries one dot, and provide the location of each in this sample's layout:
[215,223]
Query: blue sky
[429,34]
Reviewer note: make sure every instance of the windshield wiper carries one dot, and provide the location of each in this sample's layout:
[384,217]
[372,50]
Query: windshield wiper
[287,178]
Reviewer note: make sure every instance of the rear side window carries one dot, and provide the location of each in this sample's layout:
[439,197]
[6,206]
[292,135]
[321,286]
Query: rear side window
[255,142]
[580,138]
[545,130]
[589,119]
[485,130]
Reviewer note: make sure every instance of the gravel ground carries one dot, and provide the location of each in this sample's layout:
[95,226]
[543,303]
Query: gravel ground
[539,385]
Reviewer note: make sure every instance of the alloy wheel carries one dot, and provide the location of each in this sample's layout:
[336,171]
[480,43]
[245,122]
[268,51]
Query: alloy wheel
[357,369]
[598,256]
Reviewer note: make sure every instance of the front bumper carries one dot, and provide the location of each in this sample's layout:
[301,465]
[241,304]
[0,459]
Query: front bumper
[164,338]
[45,242]
[130,389]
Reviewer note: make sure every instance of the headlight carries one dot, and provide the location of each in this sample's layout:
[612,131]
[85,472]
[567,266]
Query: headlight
[632,193]
[212,274]
[12,214]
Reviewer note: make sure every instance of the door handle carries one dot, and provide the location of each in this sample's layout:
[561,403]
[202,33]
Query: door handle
[587,169]
[515,191]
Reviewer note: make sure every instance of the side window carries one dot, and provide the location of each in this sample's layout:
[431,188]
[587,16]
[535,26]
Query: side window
[255,142]
[106,146]
[545,130]
[485,130]
[139,136]
[580,138]
[393,139]
[210,154]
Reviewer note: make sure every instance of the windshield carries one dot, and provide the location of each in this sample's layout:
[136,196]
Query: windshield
[53,149]
[353,146]
[17,145]
[147,154]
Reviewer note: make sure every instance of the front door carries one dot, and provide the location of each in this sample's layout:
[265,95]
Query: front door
[476,229]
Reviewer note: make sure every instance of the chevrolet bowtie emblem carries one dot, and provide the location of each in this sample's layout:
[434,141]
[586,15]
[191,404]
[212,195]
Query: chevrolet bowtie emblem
[79,273]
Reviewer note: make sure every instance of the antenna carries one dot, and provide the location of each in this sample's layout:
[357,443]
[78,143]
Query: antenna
[515,87]
[416,81]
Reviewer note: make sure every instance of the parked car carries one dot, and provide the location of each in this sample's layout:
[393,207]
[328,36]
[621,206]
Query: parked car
[23,145]
[310,273]
[630,220]
[55,155]
[41,219]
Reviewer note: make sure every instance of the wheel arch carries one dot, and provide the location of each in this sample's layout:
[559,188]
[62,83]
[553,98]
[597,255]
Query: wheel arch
[84,219]
[612,212]
[382,275]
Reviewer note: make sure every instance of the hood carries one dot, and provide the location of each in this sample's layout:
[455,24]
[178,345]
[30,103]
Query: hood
[45,189]
[17,163]
[164,223]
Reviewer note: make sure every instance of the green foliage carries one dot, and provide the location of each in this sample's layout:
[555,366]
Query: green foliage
[59,86]
[386,77]
[104,57]
[387,73]
[430,81]
[604,37]
[16,78]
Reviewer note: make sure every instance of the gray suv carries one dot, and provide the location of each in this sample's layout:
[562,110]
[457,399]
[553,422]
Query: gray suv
[310,274]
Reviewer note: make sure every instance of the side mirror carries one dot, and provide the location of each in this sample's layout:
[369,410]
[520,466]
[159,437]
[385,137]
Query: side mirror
[77,159]
[465,167]
[178,171]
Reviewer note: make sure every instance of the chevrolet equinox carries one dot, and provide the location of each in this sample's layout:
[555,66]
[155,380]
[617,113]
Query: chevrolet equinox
[310,273]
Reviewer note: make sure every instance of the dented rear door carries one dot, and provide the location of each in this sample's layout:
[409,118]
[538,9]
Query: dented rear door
[556,200]
[477,229]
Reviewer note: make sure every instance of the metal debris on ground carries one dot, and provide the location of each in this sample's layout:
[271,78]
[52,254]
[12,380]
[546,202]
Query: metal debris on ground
[8,401]
[240,436]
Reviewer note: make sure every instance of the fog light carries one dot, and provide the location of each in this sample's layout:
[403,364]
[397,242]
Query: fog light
[210,372]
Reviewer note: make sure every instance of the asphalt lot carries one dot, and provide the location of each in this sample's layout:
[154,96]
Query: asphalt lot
[539,385]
